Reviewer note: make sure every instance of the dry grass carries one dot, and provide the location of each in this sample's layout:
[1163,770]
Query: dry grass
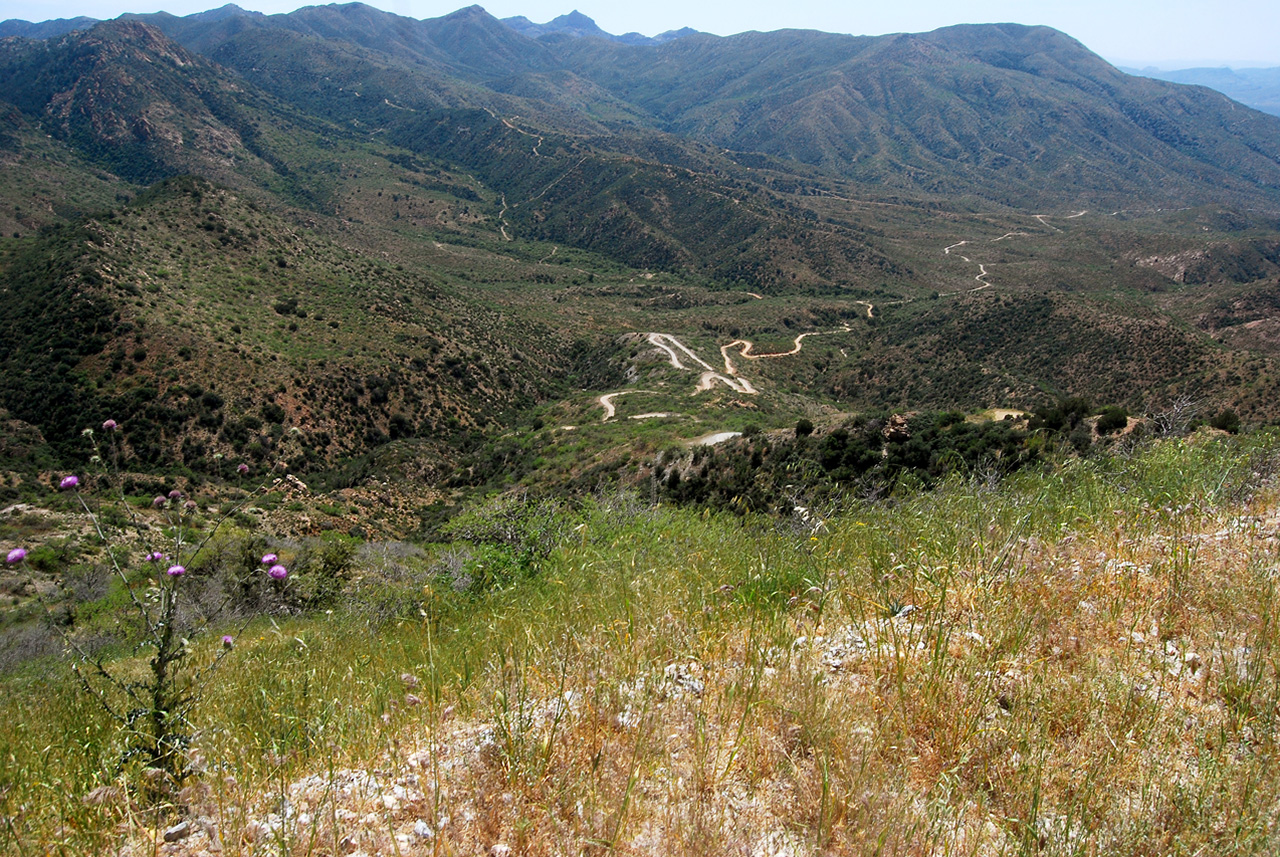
[1079,663]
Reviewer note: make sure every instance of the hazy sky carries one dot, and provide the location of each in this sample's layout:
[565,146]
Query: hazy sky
[1166,33]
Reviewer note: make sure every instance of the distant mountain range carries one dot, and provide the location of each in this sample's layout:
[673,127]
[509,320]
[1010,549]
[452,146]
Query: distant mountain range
[573,24]
[579,25]
[1004,113]
[1257,87]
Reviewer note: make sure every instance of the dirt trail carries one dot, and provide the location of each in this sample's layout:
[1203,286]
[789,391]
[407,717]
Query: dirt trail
[710,376]
[684,358]
[983,274]
[606,401]
[745,347]
[738,385]
[661,340]
[519,130]
[502,219]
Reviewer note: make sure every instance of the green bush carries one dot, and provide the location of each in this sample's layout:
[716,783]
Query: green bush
[1112,419]
[1227,421]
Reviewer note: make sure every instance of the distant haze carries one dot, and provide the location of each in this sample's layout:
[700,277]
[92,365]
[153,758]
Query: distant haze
[1167,34]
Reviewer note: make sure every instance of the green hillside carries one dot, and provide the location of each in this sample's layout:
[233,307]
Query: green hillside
[460,436]
[442,230]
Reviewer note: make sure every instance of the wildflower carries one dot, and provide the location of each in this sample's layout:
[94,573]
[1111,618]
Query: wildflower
[242,468]
[227,641]
[110,425]
[176,571]
[270,559]
[278,572]
[69,482]
[155,556]
[190,505]
[159,501]
[175,494]
[16,556]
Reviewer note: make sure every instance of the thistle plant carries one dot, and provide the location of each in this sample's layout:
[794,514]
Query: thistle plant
[167,611]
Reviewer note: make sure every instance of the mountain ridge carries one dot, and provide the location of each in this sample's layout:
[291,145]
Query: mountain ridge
[1035,106]
[1258,88]
[579,193]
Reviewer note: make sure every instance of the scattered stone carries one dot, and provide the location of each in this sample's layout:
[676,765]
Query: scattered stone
[500,849]
[683,679]
[181,830]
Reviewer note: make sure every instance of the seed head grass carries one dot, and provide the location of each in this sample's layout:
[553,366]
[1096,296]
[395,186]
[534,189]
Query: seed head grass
[1078,661]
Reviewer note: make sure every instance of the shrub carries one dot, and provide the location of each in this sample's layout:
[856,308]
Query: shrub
[1112,419]
[1227,421]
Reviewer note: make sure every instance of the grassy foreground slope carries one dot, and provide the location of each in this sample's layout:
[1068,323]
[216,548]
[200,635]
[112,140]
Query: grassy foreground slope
[1081,660]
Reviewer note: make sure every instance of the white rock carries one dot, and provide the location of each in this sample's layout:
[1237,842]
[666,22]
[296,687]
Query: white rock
[180,830]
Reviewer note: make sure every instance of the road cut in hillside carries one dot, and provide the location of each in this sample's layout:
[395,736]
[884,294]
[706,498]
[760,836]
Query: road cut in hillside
[606,402]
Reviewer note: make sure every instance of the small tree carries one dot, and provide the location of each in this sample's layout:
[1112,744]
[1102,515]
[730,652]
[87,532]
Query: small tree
[1176,419]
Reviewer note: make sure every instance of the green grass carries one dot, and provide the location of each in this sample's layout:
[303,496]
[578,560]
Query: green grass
[1078,661]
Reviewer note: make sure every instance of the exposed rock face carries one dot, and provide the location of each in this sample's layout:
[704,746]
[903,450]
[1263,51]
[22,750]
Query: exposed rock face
[896,429]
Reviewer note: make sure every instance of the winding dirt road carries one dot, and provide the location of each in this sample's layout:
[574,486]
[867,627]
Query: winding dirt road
[745,347]
[606,402]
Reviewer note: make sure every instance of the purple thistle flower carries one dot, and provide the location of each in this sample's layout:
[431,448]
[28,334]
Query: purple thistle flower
[227,641]
[175,494]
[190,505]
[110,425]
[278,572]
[155,556]
[69,482]
[270,559]
[176,571]
[16,556]
[159,501]
[242,468]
